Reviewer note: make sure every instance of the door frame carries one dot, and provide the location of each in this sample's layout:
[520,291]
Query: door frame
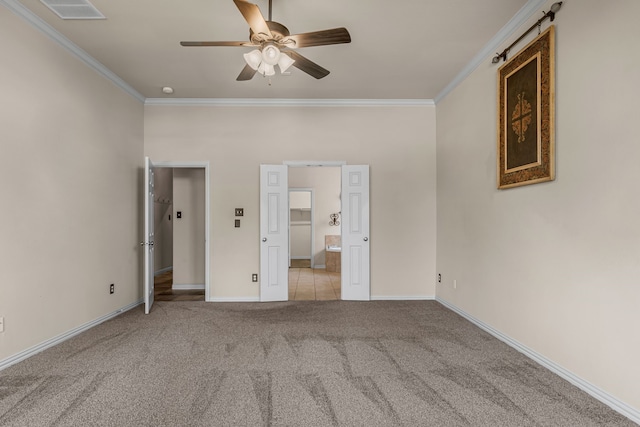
[313,230]
[148,239]
[330,163]
[207,214]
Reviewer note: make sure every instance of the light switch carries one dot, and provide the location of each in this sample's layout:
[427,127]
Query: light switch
[237,223]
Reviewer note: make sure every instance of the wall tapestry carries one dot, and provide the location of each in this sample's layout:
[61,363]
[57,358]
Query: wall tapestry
[526,109]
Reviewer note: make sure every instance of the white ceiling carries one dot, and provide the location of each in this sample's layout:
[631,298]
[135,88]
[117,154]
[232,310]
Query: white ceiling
[402,49]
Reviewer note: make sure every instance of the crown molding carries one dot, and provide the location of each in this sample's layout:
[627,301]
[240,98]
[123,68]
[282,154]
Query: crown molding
[282,102]
[494,44]
[37,22]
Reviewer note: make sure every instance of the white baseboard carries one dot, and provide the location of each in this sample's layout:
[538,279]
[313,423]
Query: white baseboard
[319,267]
[19,357]
[301,257]
[604,397]
[234,299]
[402,298]
[187,286]
[163,270]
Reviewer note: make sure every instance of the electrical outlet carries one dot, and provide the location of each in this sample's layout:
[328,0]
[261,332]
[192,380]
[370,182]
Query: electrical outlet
[439,278]
[254,277]
[1,324]
[112,288]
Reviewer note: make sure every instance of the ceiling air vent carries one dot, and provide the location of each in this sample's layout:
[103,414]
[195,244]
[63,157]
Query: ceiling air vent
[73,9]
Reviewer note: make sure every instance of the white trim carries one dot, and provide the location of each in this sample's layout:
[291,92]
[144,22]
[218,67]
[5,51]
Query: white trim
[234,299]
[319,267]
[604,397]
[163,270]
[37,22]
[314,163]
[402,298]
[32,351]
[187,286]
[176,165]
[301,257]
[494,44]
[281,102]
[207,212]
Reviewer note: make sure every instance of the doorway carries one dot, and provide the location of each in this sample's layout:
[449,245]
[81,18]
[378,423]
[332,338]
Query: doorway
[314,197]
[179,234]
[301,227]
[177,230]
[352,206]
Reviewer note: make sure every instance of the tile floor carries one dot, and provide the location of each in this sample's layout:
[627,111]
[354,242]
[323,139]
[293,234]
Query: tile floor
[306,284]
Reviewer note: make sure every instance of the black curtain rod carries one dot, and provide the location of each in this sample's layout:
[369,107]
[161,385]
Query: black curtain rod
[551,15]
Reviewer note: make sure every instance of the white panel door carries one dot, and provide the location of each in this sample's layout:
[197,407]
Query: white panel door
[274,233]
[355,233]
[148,242]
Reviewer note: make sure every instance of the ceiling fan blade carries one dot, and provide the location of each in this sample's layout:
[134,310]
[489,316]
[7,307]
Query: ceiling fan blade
[319,38]
[309,67]
[247,73]
[216,44]
[254,18]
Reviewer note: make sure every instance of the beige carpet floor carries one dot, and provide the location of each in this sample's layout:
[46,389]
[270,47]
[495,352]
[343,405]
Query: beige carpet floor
[333,363]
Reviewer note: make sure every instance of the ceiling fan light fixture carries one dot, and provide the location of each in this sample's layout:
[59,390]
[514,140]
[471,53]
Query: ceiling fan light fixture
[270,54]
[266,69]
[253,58]
[285,62]
[270,37]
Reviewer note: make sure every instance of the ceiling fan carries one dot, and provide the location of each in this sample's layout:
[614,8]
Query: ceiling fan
[276,46]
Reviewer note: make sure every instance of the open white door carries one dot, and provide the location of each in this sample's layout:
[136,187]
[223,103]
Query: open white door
[355,233]
[274,233]
[148,235]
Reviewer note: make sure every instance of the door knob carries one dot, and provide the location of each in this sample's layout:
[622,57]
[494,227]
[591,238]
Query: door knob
[264,239]
[366,239]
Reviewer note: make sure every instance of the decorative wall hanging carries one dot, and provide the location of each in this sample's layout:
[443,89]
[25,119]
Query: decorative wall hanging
[526,110]
[334,219]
